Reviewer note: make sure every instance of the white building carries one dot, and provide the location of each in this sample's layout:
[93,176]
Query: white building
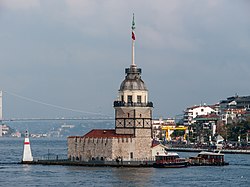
[191,113]
[158,149]
[158,133]
[229,115]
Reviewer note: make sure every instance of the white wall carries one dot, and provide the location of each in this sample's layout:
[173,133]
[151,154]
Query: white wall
[134,93]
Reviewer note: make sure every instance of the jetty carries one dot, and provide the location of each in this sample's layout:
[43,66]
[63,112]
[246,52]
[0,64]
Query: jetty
[95,163]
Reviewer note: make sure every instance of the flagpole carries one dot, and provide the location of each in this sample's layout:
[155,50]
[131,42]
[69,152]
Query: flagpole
[133,52]
[133,42]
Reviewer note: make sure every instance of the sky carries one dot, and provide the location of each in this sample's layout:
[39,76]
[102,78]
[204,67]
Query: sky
[72,54]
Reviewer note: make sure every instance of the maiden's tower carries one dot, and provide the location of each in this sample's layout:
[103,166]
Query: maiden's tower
[132,137]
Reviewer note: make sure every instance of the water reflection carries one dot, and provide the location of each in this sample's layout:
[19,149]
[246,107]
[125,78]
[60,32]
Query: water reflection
[26,168]
[134,176]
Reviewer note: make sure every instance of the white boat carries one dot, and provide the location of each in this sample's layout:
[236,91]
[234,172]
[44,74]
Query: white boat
[170,160]
[208,159]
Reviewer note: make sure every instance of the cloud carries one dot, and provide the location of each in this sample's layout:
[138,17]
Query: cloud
[20,4]
[81,8]
[179,44]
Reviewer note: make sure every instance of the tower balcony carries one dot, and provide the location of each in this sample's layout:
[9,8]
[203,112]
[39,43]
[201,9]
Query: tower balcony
[133,70]
[132,104]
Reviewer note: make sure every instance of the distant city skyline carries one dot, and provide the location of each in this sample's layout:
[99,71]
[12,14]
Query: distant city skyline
[73,53]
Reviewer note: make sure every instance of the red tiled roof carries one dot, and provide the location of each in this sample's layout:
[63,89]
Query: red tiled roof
[155,143]
[236,111]
[103,133]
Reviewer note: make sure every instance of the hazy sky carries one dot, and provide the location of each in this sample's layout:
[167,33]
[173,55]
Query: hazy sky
[73,53]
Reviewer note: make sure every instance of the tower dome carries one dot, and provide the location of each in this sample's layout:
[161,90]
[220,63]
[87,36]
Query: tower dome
[133,80]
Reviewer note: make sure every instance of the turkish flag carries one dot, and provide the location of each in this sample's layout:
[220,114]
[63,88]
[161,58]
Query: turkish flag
[133,35]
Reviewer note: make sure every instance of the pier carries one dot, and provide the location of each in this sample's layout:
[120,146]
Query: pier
[66,162]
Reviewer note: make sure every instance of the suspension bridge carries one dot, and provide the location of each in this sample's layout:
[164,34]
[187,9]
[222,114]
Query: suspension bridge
[97,116]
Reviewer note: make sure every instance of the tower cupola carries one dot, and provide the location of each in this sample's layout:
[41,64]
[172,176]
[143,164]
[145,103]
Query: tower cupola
[133,80]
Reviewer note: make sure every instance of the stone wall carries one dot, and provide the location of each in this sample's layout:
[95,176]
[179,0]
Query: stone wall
[85,149]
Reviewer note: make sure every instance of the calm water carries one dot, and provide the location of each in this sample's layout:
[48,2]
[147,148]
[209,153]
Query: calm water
[11,174]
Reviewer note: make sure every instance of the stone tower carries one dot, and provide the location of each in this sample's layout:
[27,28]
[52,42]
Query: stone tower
[131,140]
[133,111]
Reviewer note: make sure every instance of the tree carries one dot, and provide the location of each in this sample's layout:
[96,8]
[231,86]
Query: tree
[239,128]
[221,129]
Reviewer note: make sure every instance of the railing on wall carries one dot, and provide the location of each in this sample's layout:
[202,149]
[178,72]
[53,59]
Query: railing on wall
[132,104]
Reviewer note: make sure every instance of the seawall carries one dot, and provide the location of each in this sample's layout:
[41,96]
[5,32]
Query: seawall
[92,163]
[225,151]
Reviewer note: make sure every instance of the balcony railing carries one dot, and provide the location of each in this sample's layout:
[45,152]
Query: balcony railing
[135,70]
[132,104]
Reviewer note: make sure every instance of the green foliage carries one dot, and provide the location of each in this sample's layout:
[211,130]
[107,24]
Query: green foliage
[238,129]
[177,133]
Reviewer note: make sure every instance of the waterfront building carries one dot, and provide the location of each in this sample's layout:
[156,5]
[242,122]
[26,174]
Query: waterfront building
[204,128]
[132,137]
[232,114]
[234,108]
[235,102]
[158,149]
[156,127]
[191,112]
[158,132]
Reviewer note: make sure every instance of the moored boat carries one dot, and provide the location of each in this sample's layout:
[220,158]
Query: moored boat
[170,160]
[208,159]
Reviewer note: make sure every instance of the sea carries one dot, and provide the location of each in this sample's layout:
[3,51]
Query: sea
[12,173]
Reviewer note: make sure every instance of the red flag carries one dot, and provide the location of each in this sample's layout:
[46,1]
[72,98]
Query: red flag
[133,35]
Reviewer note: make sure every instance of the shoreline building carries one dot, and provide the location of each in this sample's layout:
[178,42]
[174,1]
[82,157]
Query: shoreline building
[234,108]
[132,137]
[191,112]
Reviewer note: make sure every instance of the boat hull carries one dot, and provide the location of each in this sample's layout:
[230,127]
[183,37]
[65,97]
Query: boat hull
[171,165]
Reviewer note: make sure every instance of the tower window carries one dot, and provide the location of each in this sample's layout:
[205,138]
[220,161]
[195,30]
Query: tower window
[138,99]
[131,155]
[129,98]
[122,98]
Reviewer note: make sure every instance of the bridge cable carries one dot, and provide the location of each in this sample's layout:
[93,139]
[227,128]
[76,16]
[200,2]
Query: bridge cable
[52,105]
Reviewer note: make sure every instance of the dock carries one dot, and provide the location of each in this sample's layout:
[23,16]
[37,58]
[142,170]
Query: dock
[66,162]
